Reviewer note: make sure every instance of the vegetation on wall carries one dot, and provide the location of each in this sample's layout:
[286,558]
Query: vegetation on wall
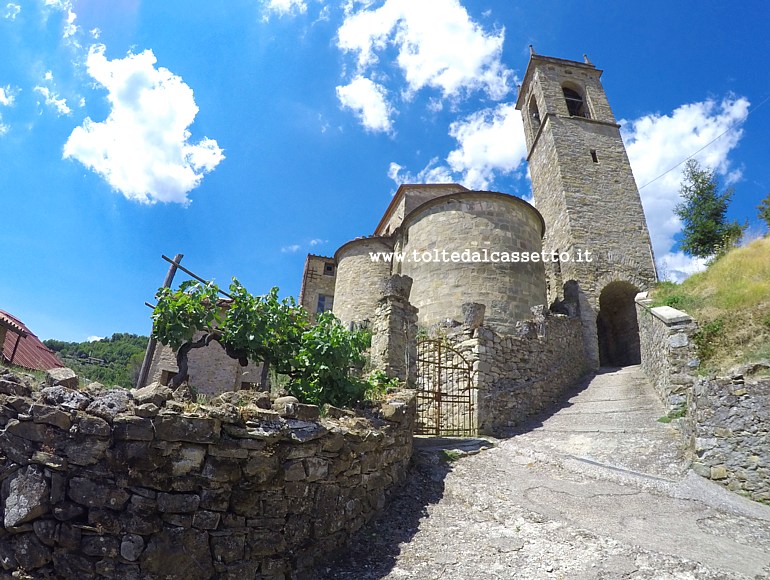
[318,359]
[731,303]
[111,361]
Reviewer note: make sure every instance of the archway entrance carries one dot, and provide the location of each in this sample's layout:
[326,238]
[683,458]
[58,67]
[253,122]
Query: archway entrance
[617,327]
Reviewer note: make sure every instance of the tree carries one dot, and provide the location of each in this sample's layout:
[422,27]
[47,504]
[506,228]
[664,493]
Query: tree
[764,210]
[703,211]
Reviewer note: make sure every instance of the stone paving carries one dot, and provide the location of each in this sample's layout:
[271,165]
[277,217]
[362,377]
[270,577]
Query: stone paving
[597,490]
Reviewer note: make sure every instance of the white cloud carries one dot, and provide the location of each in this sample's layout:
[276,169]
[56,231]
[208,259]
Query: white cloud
[368,101]
[3,127]
[433,172]
[291,249]
[438,45]
[490,143]
[317,242]
[676,266]
[8,95]
[94,338]
[656,143]
[142,149]
[285,7]
[12,11]
[69,28]
[53,100]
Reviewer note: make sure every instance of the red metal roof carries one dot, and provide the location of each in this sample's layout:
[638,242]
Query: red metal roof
[30,352]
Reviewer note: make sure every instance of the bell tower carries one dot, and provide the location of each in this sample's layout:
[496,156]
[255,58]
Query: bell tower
[583,186]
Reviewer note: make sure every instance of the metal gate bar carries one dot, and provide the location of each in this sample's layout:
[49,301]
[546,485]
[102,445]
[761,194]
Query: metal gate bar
[446,397]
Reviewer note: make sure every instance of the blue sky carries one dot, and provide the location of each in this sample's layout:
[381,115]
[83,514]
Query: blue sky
[246,133]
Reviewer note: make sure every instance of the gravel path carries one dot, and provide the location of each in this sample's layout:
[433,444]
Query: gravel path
[597,490]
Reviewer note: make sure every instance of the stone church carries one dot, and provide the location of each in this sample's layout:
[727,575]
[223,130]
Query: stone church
[586,205]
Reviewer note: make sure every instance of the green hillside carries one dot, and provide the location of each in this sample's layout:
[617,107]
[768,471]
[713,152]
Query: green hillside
[110,361]
[731,302]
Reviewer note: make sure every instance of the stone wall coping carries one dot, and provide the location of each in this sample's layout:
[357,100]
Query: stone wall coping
[670,315]
[666,314]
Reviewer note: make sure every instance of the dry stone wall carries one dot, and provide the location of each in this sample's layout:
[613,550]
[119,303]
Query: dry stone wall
[669,358]
[731,421]
[725,422]
[522,374]
[112,484]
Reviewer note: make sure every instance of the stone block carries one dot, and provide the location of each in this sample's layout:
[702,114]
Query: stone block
[131,547]
[27,497]
[92,494]
[178,553]
[30,553]
[718,472]
[108,405]
[64,377]
[154,393]
[51,416]
[190,429]
[178,502]
[133,428]
[102,546]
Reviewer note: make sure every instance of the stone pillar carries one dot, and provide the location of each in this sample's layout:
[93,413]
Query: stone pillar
[394,331]
[473,314]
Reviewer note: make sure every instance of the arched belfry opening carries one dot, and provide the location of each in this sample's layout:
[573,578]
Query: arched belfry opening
[617,327]
[576,105]
[534,114]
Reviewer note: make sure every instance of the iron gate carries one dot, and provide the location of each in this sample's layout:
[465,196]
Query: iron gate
[446,397]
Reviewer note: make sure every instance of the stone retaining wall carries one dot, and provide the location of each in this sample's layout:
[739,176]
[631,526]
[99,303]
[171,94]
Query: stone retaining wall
[725,422]
[113,485]
[669,357]
[523,374]
[731,424]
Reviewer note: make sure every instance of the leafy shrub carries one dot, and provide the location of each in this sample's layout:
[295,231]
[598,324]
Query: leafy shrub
[707,337]
[317,358]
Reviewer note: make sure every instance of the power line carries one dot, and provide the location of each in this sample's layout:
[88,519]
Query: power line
[767,98]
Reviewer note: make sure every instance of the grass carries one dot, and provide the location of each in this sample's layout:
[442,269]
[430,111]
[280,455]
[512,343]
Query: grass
[675,414]
[19,371]
[450,455]
[731,302]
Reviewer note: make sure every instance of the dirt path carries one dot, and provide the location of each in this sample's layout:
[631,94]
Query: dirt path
[597,490]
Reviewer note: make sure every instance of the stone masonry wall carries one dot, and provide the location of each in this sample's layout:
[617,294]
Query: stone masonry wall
[119,485]
[523,374]
[473,221]
[725,422]
[359,279]
[668,353]
[732,434]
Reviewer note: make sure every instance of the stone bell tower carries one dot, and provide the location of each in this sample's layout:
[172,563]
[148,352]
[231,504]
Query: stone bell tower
[585,190]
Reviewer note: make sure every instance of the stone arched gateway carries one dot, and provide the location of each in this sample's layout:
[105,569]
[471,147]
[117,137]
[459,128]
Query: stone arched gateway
[616,325]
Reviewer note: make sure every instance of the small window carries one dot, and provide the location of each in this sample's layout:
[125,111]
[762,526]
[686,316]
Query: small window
[575,104]
[328,269]
[325,303]
[593,156]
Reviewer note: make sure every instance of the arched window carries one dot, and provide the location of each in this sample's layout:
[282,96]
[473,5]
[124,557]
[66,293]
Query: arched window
[534,114]
[575,103]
